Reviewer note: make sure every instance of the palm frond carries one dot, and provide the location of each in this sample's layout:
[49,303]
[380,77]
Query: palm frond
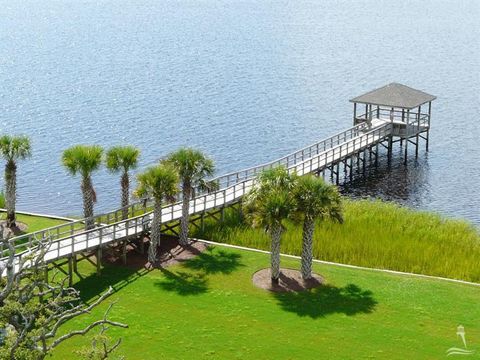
[122,158]
[159,181]
[14,148]
[193,166]
[83,159]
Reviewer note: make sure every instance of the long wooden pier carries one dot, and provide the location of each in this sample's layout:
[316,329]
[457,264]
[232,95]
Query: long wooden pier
[377,127]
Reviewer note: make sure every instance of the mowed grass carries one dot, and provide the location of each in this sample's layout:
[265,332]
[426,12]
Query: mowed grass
[207,308]
[35,223]
[375,234]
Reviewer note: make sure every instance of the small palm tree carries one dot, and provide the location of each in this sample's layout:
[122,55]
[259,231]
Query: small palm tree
[193,168]
[268,205]
[160,182]
[12,149]
[315,200]
[84,160]
[123,158]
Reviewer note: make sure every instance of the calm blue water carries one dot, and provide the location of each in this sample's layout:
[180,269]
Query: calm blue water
[247,81]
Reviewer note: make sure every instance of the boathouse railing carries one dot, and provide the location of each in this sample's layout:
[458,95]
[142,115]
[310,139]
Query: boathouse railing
[385,114]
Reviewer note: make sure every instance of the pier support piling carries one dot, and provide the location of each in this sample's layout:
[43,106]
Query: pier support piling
[99,260]
[124,252]
[74,261]
[70,271]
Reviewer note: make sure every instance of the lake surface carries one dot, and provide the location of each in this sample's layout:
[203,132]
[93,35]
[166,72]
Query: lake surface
[246,81]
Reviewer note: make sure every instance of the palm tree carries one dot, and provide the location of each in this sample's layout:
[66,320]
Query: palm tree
[160,182]
[268,205]
[315,200]
[84,160]
[123,158]
[193,168]
[12,149]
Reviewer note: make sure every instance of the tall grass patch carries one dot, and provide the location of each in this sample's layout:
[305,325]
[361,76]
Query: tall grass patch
[375,234]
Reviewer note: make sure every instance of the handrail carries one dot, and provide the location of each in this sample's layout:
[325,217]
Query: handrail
[291,158]
[385,113]
[55,232]
[71,227]
[207,201]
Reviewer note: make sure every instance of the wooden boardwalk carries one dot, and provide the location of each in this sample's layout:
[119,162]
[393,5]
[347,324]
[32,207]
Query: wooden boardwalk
[71,238]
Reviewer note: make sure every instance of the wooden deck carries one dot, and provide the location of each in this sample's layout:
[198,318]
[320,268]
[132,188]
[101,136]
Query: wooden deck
[68,239]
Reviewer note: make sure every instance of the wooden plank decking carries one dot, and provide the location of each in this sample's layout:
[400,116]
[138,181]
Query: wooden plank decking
[69,239]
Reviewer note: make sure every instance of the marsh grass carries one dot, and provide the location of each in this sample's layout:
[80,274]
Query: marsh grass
[375,234]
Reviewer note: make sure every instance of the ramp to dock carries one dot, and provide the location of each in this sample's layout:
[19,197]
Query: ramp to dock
[68,239]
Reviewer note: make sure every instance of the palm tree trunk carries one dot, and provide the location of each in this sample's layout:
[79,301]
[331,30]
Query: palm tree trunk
[307,248]
[155,234]
[125,184]
[87,192]
[10,191]
[276,235]
[183,240]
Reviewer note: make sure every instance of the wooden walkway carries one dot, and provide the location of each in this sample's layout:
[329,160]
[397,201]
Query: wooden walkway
[71,238]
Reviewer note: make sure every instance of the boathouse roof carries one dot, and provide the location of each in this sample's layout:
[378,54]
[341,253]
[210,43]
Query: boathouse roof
[395,95]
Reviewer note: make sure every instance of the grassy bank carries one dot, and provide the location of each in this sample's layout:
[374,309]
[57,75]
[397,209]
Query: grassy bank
[375,234]
[34,223]
[207,308]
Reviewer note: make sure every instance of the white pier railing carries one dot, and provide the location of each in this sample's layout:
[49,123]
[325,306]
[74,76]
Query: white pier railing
[70,238]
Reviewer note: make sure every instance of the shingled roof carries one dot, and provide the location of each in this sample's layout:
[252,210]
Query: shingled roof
[395,95]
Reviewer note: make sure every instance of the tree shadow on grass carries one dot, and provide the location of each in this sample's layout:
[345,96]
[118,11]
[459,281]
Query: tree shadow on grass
[183,283]
[92,286]
[210,261]
[327,299]
[213,261]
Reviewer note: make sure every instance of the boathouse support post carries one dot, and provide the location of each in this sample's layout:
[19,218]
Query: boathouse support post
[407,135]
[354,114]
[418,131]
[390,138]
[403,121]
[428,127]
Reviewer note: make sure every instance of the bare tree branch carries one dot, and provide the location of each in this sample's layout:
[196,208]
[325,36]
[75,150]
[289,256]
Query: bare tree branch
[33,308]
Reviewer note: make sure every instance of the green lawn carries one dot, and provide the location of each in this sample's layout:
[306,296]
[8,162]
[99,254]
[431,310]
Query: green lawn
[35,223]
[207,308]
[375,234]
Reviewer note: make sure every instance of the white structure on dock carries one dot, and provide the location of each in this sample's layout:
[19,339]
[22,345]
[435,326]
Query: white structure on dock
[392,113]
[402,105]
